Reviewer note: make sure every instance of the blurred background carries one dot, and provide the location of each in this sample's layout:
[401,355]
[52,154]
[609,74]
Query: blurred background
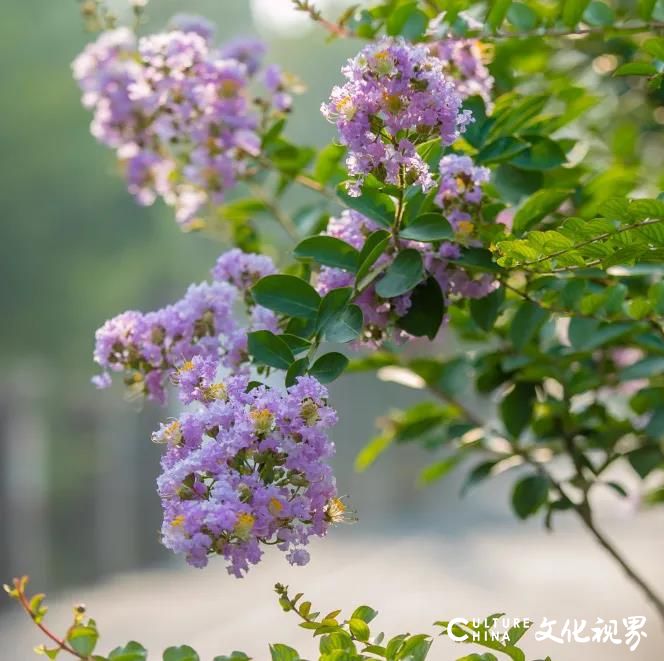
[78,508]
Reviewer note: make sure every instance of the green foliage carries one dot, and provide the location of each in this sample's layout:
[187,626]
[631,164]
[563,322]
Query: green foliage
[287,294]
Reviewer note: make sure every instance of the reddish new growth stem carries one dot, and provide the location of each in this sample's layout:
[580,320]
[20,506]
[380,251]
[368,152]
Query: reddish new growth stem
[335,29]
[19,587]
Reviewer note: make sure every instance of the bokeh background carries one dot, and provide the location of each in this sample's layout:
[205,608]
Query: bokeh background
[78,509]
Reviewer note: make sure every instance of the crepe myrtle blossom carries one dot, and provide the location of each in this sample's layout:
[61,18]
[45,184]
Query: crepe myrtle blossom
[465,63]
[380,314]
[397,96]
[459,193]
[151,348]
[178,111]
[246,467]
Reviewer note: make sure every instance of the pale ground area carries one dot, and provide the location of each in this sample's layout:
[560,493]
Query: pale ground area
[411,578]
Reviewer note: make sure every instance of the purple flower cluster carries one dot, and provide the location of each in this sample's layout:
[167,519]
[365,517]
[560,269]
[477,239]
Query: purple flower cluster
[151,348]
[246,467]
[465,63]
[396,97]
[177,111]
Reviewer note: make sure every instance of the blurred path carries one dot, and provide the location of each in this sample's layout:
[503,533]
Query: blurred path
[411,579]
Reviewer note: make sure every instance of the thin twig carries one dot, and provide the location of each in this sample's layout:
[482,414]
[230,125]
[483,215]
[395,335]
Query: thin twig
[584,513]
[316,16]
[566,32]
[281,217]
[582,510]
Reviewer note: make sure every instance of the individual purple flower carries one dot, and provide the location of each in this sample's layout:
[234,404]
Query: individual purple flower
[246,468]
[242,269]
[276,85]
[396,97]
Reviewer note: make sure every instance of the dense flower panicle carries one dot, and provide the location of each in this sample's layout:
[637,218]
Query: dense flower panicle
[151,348]
[465,63]
[244,468]
[177,110]
[397,96]
[380,315]
[460,193]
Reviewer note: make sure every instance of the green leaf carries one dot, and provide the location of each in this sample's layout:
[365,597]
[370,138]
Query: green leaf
[403,274]
[408,21]
[588,334]
[298,368]
[281,652]
[516,409]
[542,154]
[536,207]
[485,311]
[636,69]
[477,475]
[599,14]
[295,343]
[372,204]
[182,653]
[373,248]
[346,327]
[288,295]
[359,629]
[513,112]
[235,656]
[269,349]
[428,227]
[329,251]
[529,494]
[332,305]
[645,460]
[646,8]
[527,321]
[372,450]
[654,47]
[439,469]
[477,259]
[329,367]
[573,11]
[497,12]
[500,150]
[83,638]
[521,16]
[426,312]
[364,613]
[327,163]
[289,158]
[644,369]
[132,651]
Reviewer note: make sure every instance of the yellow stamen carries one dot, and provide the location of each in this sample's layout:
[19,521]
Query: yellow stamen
[263,420]
[275,507]
[244,525]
